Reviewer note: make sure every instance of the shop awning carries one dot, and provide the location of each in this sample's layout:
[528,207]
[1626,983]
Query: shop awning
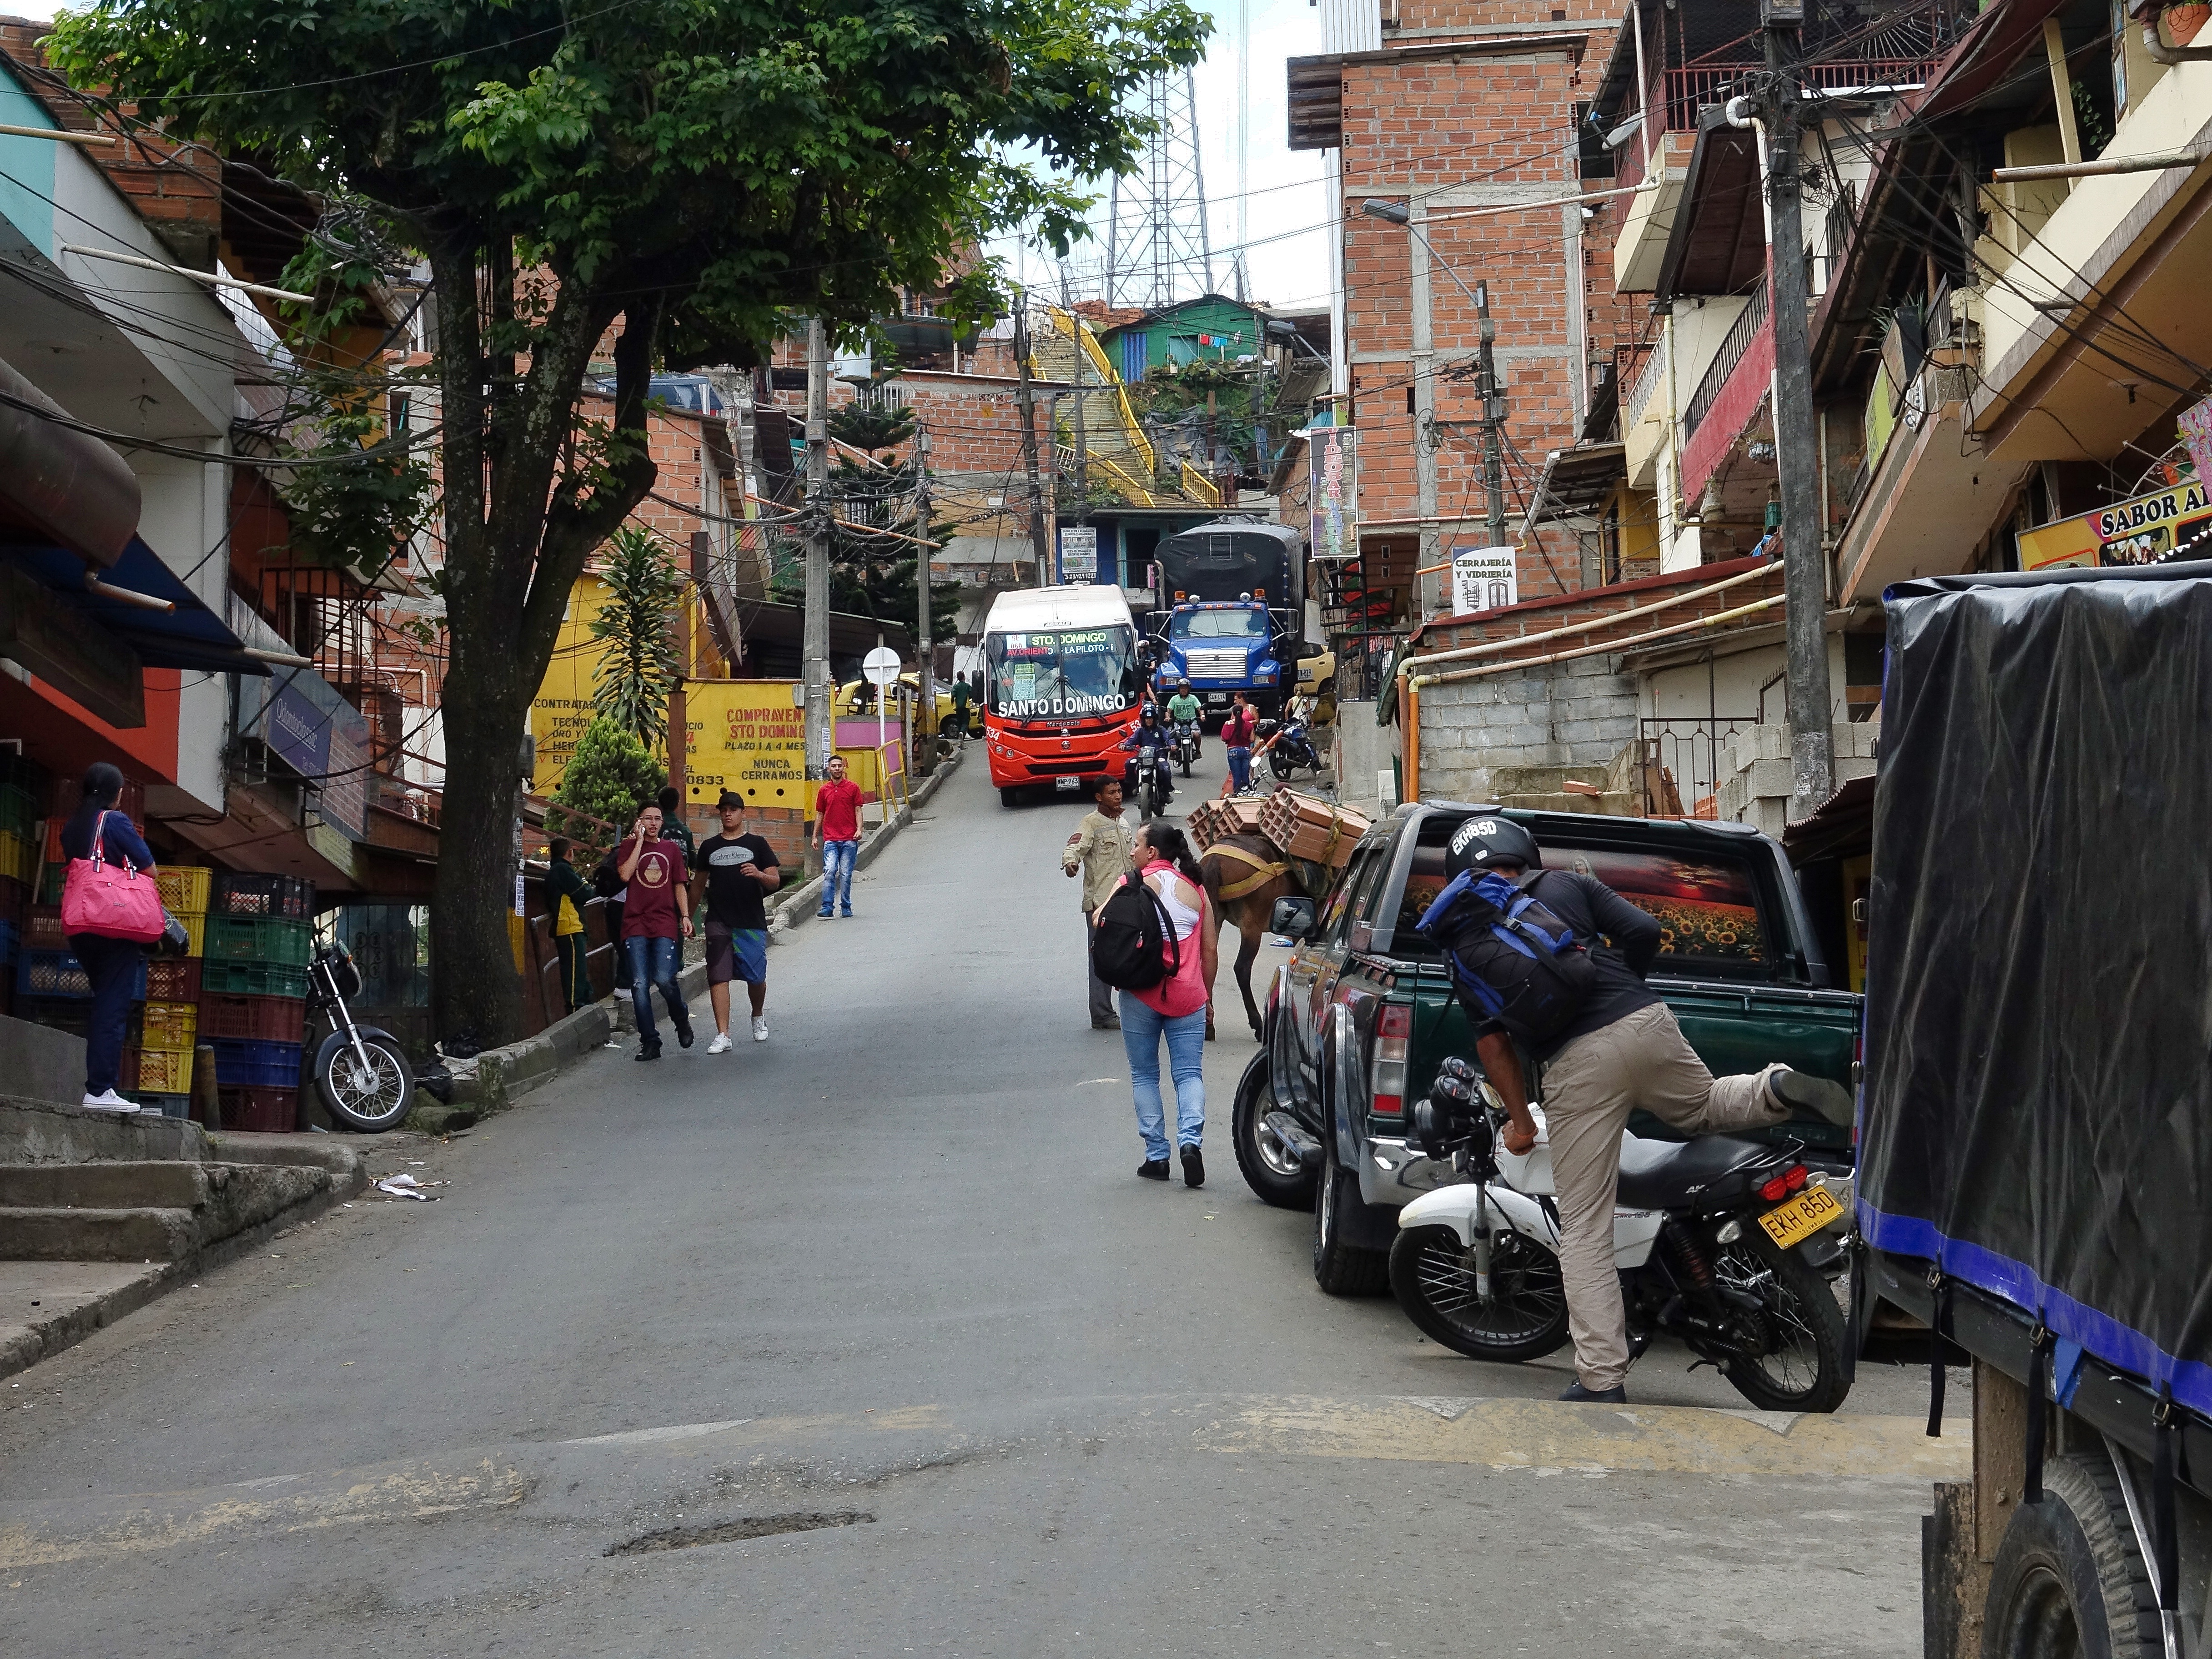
[188,636]
[1576,482]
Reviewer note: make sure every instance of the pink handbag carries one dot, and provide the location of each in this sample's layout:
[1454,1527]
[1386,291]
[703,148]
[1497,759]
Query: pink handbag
[98,897]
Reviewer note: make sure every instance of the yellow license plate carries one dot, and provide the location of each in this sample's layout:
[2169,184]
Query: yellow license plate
[1798,1219]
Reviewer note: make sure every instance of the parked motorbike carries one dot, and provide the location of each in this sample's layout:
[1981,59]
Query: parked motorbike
[1186,743]
[1706,1238]
[1291,748]
[364,1075]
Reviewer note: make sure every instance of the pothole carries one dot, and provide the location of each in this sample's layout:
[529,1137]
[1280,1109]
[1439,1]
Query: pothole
[731,1532]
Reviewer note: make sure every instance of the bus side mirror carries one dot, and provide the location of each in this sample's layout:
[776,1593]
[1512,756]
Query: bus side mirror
[1293,918]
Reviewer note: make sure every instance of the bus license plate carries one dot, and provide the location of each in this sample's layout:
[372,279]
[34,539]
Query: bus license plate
[1800,1217]
[1067,786]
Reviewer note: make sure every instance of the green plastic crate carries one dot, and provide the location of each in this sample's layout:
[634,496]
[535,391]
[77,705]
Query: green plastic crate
[259,938]
[250,979]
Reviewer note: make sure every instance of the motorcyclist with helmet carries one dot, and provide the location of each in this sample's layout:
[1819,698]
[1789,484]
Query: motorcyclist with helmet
[1620,1050]
[1183,710]
[1149,731]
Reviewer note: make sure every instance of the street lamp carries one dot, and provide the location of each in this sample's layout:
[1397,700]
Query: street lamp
[1395,213]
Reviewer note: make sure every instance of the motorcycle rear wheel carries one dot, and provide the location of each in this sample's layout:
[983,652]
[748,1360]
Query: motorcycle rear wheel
[1805,1371]
[1526,1318]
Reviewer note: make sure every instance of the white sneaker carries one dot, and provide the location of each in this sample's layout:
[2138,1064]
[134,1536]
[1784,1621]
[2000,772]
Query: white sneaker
[760,1029]
[108,1101]
[721,1045]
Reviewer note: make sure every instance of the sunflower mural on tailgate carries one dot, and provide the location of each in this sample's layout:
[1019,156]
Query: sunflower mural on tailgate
[1705,907]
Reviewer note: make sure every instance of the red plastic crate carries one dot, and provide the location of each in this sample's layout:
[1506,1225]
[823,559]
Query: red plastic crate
[172,979]
[261,1019]
[272,1111]
[42,928]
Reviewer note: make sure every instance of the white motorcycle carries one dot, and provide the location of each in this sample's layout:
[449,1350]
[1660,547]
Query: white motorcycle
[1704,1236]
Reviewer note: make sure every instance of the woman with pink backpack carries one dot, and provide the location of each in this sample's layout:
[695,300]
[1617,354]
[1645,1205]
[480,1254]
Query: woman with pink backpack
[1174,1008]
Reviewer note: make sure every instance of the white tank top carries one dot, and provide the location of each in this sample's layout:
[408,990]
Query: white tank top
[1162,880]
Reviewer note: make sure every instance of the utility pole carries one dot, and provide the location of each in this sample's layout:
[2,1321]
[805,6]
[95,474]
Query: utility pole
[1493,421]
[1804,579]
[1082,438]
[815,643]
[1039,543]
[925,757]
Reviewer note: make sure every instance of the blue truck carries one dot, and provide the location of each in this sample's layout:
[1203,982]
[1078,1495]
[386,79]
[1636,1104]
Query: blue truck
[1230,609]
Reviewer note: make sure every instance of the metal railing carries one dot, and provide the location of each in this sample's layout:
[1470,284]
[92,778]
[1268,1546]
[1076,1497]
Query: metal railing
[1648,379]
[1681,763]
[1738,341]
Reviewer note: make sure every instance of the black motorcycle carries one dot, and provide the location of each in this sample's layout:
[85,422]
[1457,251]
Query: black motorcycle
[1186,743]
[1149,782]
[364,1075]
[1290,748]
[1717,1238]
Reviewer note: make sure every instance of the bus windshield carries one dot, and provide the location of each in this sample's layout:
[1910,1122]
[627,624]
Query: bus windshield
[1063,672]
[1239,624]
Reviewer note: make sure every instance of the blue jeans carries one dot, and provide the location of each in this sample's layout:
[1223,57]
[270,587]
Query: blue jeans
[111,965]
[653,962]
[1239,768]
[837,858]
[1141,1029]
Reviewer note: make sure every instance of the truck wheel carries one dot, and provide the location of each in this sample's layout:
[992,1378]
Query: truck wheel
[1342,1269]
[2070,1579]
[1270,1170]
[1009,795]
[1432,1276]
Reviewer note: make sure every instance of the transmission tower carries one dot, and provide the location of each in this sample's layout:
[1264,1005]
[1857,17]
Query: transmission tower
[1157,251]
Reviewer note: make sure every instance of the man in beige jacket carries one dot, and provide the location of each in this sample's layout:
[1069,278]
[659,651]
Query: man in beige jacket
[1100,850]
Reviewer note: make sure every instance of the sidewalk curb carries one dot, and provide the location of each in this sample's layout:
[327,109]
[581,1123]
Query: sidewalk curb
[504,1075]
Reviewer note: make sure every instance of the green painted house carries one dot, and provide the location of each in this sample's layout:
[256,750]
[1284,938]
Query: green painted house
[1209,326]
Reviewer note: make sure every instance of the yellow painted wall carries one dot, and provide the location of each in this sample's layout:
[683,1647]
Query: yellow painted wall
[563,707]
[750,736]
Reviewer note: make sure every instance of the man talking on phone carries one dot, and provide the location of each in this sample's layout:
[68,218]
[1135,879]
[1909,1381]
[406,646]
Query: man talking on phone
[736,871]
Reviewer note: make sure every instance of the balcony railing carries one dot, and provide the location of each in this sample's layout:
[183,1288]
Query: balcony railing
[1682,763]
[1648,379]
[1741,334]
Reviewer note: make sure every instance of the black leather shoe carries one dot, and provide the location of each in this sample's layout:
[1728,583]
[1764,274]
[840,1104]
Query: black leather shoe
[683,1034]
[1105,1024]
[1801,1093]
[1153,1168]
[1595,1396]
[649,1051]
[1194,1168]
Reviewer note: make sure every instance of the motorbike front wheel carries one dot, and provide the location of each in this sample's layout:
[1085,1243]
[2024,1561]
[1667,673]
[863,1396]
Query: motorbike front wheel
[1794,1361]
[1281,764]
[370,1097]
[1432,1276]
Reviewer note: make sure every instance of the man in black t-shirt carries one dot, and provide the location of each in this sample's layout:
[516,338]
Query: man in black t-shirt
[1622,1050]
[735,873]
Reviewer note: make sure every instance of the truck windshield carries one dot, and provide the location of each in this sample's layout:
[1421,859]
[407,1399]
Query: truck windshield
[1062,672]
[1219,625]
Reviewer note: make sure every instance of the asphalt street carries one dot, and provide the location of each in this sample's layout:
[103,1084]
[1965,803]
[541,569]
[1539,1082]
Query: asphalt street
[867,1341]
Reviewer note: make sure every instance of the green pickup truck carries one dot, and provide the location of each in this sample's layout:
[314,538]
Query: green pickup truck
[1360,1017]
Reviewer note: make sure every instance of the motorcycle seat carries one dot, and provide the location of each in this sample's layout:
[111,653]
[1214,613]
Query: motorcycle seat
[1669,1175]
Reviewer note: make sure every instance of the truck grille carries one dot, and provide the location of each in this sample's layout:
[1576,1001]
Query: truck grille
[1220,663]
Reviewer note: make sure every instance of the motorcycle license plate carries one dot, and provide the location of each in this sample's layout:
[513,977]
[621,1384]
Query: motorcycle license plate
[1797,1220]
[1067,786]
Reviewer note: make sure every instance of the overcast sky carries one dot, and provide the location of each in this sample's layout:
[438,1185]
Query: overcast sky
[1285,205]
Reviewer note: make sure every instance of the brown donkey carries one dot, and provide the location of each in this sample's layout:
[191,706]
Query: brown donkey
[1244,876]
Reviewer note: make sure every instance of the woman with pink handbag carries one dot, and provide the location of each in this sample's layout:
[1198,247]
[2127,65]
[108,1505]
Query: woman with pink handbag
[110,912]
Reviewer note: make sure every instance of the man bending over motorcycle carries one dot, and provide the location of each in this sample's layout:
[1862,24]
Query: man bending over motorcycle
[1622,1050]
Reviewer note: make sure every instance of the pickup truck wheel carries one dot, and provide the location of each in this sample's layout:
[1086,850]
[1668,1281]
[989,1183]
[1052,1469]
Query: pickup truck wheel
[1432,1275]
[1802,1370]
[2069,1580]
[1342,1269]
[1270,1170]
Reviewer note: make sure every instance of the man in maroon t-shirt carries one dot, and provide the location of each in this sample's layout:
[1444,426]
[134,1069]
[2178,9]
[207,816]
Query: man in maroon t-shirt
[837,833]
[653,917]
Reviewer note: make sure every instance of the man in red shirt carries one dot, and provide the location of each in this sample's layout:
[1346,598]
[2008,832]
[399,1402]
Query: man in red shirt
[654,916]
[837,833]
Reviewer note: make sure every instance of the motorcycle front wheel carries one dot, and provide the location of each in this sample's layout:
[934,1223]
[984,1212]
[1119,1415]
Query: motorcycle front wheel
[1281,765]
[1794,1361]
[1432,1276]
[370,1097]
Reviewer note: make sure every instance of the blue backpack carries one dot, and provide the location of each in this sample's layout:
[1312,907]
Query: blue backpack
[1512,960]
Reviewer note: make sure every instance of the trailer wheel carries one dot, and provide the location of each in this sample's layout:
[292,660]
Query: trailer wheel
[2069,1580]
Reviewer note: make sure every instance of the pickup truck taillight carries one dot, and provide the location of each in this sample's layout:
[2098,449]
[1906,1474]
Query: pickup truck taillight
[1386,1091]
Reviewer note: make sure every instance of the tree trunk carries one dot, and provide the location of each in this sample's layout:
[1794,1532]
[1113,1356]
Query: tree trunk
[472,974]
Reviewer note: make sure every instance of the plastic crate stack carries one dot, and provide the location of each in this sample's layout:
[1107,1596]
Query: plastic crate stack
[254,985]
[170,1025]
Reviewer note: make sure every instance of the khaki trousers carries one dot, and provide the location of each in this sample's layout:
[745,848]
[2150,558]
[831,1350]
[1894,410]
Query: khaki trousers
[1590,1089]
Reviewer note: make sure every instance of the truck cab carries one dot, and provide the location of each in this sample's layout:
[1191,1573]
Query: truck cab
[1223,646]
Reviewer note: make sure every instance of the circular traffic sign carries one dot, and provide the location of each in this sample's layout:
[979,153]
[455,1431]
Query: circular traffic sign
[881,665]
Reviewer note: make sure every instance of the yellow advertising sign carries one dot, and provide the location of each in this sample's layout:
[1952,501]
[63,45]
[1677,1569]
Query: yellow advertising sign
[2142,531]
[563,707]
[750,736]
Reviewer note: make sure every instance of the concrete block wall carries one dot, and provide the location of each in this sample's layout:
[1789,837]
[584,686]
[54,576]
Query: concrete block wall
[1755,769]
[1577,716]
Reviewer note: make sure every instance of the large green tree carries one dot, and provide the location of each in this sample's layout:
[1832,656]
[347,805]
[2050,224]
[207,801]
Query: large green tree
[678,173]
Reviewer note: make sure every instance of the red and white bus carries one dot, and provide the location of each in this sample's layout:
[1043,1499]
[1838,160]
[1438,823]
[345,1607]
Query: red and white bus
[1061,684]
